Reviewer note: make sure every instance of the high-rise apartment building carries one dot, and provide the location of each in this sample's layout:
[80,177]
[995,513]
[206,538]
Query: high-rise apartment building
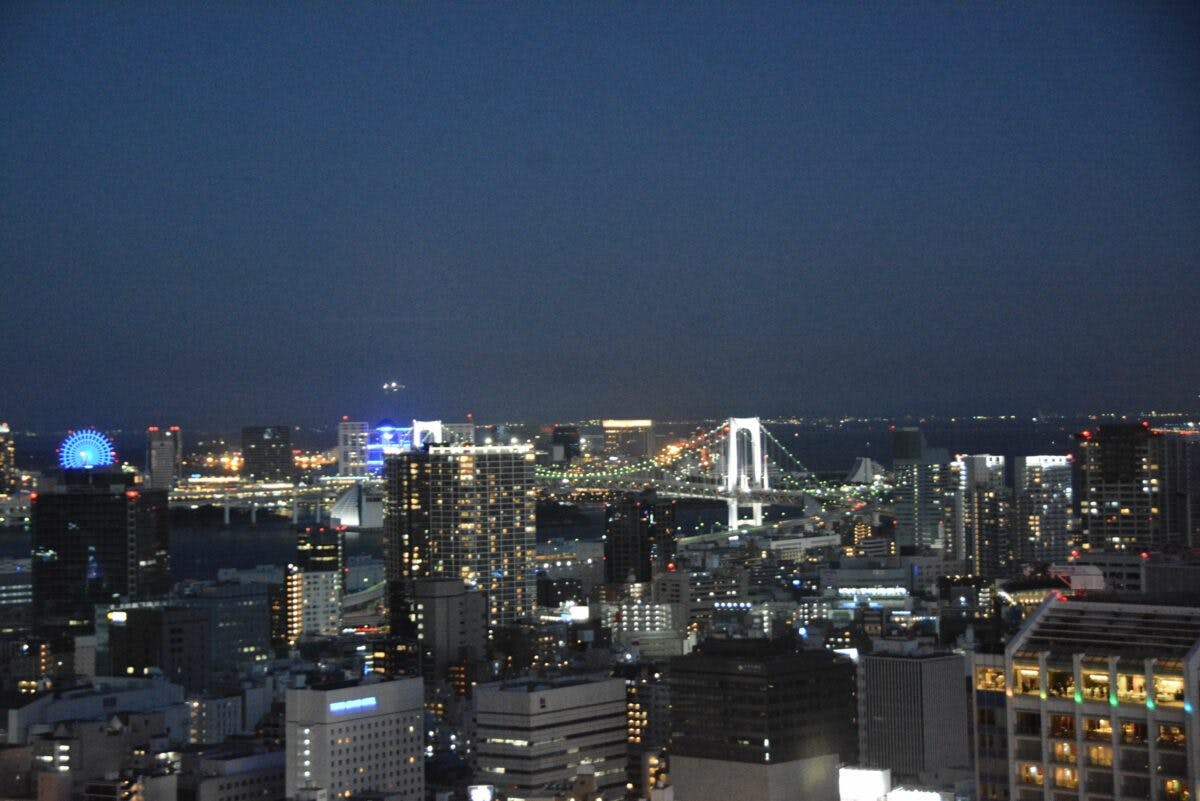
[352,448]
[1101,702]
[98,536]
[1044,504]
[926,489]
[357,739]
[164,456]
[535,734]
[1137,487]
[8,460]
[984,514]
[469,513]
[913,715]
[267,453]
[639,537]
[313,600]
[753,719]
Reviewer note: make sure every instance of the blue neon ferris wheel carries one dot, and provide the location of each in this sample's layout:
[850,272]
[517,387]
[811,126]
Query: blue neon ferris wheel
[86,449]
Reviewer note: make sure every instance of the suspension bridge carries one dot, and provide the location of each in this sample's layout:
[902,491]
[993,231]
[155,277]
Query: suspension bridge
[739,462]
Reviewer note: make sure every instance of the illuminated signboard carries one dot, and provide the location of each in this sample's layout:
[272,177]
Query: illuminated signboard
[353,705]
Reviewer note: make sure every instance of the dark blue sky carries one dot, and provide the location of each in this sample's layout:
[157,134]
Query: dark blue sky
[232,215]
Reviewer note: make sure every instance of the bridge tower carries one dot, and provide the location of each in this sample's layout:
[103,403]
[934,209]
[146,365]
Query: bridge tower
[746,468]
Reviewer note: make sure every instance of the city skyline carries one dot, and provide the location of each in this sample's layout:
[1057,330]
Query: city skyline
[579,211]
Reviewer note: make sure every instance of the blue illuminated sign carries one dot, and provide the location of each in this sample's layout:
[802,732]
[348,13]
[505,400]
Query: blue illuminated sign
[353,705]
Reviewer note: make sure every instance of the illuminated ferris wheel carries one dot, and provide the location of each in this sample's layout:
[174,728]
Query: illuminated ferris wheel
[86,449]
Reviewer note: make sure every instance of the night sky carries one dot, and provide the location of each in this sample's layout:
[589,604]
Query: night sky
[234,215]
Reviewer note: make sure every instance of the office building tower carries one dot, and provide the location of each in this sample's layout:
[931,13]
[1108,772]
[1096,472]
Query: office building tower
[1102,699]
[356,739]
[753,719]
[1137,487]
[913,715]
[352,448]
[1044,503]
[465,512]
[98,537]
[164,457]
[534,735]
[926,489]
[639,538]
[629,438]
[267,453]
[450,623]
[9,477]
[984,514]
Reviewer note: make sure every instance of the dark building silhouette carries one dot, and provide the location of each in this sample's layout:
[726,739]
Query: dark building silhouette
[639,536]
[564,444]
[731,695]
[754,716]
[98,537]
[320,547]
[267,453]
[406,545]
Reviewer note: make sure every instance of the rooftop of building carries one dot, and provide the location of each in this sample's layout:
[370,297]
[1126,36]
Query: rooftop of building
[1135,626]
[536,684]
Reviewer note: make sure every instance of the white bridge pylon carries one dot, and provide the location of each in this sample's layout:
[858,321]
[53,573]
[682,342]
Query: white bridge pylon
[743,475]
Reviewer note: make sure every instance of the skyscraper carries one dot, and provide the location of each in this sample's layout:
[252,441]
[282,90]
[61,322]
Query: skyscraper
[1135,487]
[405,532]
[164,456]
[8,460]
[639,536]
[352,448]
[98,536]
[984,509]
[267,453]
[1044,500]
[925,488]
[466,512]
